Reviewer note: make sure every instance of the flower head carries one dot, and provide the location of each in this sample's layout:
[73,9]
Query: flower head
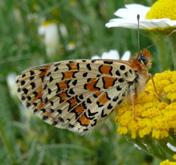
[164,9]
[51,37]
[154,117]
[167,162]
[161,15]
[172,147]
[11,82]
[113,54]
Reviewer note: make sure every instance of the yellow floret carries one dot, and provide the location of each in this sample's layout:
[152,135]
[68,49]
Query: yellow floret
[174,157]
[167,162]
[48,23]
[154,117]
[163,9]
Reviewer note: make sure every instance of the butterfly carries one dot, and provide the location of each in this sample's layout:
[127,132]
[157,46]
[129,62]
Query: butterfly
[77,94]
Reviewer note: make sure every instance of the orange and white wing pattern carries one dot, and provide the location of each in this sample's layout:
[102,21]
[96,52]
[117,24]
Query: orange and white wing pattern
[76,94]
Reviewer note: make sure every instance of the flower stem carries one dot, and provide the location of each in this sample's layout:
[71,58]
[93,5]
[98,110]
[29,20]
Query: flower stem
[164,50]
[157,148]
[173,49]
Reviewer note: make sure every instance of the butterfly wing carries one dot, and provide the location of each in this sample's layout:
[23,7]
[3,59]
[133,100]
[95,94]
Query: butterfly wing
[75,95]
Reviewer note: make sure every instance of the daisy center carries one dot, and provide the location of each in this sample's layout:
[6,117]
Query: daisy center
[162,9]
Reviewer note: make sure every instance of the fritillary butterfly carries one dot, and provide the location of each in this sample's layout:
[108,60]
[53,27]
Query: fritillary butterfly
[77,94]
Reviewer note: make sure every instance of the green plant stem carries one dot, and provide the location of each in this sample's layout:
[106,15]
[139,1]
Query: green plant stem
[6,132]
[172,39]
[164,51]
[156,148]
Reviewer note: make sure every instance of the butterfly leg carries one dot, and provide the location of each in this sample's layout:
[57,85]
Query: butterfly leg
[132,97]
[171,33]
[159,96]
[132,100]
[154,87]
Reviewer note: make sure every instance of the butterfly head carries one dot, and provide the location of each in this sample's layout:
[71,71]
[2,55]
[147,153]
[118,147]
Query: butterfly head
[142,62]
[144,59]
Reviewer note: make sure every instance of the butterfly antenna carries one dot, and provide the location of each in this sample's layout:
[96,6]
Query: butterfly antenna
[150,46]
[138,33]
[171,33]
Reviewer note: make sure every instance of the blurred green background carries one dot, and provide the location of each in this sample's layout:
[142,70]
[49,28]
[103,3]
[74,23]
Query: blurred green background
[25,139]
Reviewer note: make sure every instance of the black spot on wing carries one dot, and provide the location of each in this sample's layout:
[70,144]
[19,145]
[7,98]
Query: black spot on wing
[50,79]
[91,115]
[32,85]
[29,98]
[103,114]
[118,88]
[115,98]
[45,117]
[71,126]
[122,67]
[22,82]
[71,91]
[59,111]
[109,106]
[89,101]
[32,72]
[55,122]
[85,74]
[121,80]
[108,62]
[88,67]
[74,82]
[25,90]
[99,105]
[94,122]
[118,73]
[56,69]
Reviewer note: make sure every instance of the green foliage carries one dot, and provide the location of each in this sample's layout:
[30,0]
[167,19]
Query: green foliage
[24,139]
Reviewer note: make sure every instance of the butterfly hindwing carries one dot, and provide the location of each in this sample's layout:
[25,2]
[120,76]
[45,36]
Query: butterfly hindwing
[75,94]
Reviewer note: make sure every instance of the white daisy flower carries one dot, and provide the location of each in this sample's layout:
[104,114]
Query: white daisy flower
[71,46]
[162,14]
[51,37]
[170,146]
[63,30]
[113,54]
[11,82]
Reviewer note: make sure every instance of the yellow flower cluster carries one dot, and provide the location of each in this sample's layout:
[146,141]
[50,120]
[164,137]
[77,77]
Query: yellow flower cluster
[162,9]
[167,162]
[154,117]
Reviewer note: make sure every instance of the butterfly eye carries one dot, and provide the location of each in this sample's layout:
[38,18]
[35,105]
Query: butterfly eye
[142,59]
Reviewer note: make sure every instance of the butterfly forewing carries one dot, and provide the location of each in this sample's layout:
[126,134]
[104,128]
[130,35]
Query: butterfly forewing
[75,94]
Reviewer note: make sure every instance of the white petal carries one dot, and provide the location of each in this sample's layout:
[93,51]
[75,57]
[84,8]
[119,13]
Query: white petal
[131,11]
[137,146]
[144,24]
[165,22]
[127,18]
[126,56]
[170,146]
[112,54]
[51,37]
[95,57]
[119,22]
[51,34]
[157,23]
[41,30]
[11,81]
[63,30]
